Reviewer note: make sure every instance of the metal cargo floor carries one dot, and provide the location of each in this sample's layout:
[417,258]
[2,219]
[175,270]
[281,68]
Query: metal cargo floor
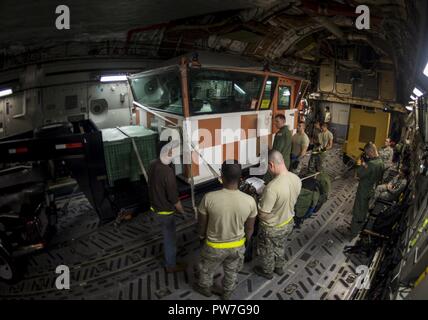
[125,261]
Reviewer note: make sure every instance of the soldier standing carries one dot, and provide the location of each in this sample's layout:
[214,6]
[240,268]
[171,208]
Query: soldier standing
[370,174]
[325,143]
[276,212]
[386,153]
[165,203]
[300,144]
[226,220]
[282,141]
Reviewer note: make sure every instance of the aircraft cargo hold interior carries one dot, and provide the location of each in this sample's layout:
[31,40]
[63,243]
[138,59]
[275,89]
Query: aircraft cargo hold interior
[187,150]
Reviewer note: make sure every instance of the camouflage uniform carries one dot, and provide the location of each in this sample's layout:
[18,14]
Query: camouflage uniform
[212,259]
[282,143]
[227,212]
[271,246]
[398,186]
[386,154]
[316,162]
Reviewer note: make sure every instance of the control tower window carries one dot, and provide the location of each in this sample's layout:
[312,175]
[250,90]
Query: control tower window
[217,91]
[160,90]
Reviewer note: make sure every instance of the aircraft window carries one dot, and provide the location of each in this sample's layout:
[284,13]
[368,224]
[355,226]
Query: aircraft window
[213,91]
[284,97]
[161,91]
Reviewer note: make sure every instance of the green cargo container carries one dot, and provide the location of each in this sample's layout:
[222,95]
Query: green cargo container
[121,160]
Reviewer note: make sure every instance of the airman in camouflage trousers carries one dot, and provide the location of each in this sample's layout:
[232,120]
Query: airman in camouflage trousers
[232,260]
[271,247]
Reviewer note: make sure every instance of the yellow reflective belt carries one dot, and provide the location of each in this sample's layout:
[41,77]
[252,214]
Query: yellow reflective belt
[161,212]
[284,223]
[226,245]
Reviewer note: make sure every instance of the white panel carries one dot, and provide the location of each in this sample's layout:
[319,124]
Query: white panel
[289,120]
[214,156]
[193,127]
[187,130]
[264,122]
[230,122]
[251,146]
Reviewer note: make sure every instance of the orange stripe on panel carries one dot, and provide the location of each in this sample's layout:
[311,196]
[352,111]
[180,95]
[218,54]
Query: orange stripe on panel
[214,127]
[137,116]
[296,119]
[174,120]
[184,86]
[296,89]
[231,151]
[195,166]
[248,122]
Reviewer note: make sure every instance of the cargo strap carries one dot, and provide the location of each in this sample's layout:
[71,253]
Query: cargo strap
[165,213]
[137,154]
[226,245]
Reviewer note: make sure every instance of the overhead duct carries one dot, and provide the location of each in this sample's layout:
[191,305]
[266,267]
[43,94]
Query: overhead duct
[330,26]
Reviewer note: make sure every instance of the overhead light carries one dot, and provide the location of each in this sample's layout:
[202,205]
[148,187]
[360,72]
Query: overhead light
[5,92]
[417,92]
[413,97]
[113,78]
[239,89]
[268,82]
[409,108]
[426,70]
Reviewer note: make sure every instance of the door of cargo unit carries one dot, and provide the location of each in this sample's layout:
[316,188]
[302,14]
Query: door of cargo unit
[366,126]
[284,101]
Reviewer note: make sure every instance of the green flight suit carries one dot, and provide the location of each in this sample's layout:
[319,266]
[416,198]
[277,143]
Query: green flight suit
[281,143]
[307,199]
[369,178]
